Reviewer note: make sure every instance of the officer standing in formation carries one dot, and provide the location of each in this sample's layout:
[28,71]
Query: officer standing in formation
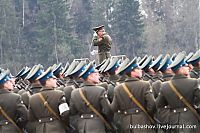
[103,41]
[164,95]
[13,113]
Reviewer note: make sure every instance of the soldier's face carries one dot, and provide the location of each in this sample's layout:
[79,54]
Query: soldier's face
[51,82]
[9,85]
[184,70]
[94,77]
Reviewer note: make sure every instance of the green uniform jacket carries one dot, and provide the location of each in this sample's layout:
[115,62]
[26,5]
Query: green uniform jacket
[132,115]
[96,95]
[15,109]
[179,113]
[46,122]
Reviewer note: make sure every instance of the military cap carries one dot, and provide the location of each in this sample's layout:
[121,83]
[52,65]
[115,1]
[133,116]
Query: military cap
[35,72]
[25,72]
[46,75]
[65,68]
[88,70]
[189,56]
[57,69]
[165,63]
[173,56]
[99,65]
[195,58]
[113,64]
[178,62]
[156,63]
[21,71]
[122,67]
[141,61]
[96,29]
[103,67]
[5,76]
[71,67]
[79,68]
[146,63]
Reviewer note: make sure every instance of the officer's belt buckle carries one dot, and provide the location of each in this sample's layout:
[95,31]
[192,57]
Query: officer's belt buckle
[47,119]
[179,110]
[87,116]
[132,111]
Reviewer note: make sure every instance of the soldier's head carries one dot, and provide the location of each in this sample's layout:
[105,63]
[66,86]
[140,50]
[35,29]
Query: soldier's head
[131,69]
[113,66]
[6,80]
[57,70]
[48,79]
[164,65]
[90,74]
[145,66]
[195,59]
[179,66]
[99,30]
[35,72]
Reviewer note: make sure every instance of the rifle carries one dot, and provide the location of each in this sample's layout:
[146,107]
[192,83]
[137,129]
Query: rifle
[107,81]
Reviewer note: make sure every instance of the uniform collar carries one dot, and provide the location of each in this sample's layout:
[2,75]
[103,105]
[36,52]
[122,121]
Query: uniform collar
[2,91]
[47,88]
[131,79]
[179,76]
[86,83]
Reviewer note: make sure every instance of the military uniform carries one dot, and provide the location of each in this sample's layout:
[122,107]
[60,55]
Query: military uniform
[179,113]
[141,90]
[195,72]
[13,106]
[104,45]
[49,121]
[89,121]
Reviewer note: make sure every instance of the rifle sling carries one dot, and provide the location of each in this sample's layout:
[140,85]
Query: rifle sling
[9,119]
[93,109]
[135,101]
[48,106]
[173,88]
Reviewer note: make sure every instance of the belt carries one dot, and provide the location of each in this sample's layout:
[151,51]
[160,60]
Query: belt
[178,110]
[88,116]
[46,119]
[4,122]
[132,111]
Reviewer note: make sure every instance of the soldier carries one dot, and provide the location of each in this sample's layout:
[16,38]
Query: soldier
[90,122]
[179,94]
[195,61]
[103,41]
[166,72]
[49,107]
[141,90]
[13,113]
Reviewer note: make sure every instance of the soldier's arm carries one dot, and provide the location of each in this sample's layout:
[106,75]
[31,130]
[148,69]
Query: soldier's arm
[105,104]
[63,107]
[96,41]
[149,98]
[115,102]
[107,40]
[161,101]
[22,112]
[73,109]
[197,96]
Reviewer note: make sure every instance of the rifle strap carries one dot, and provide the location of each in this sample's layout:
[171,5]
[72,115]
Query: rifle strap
[93,109]
[9,119]
[173,88]
[135,101]
[46,104]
